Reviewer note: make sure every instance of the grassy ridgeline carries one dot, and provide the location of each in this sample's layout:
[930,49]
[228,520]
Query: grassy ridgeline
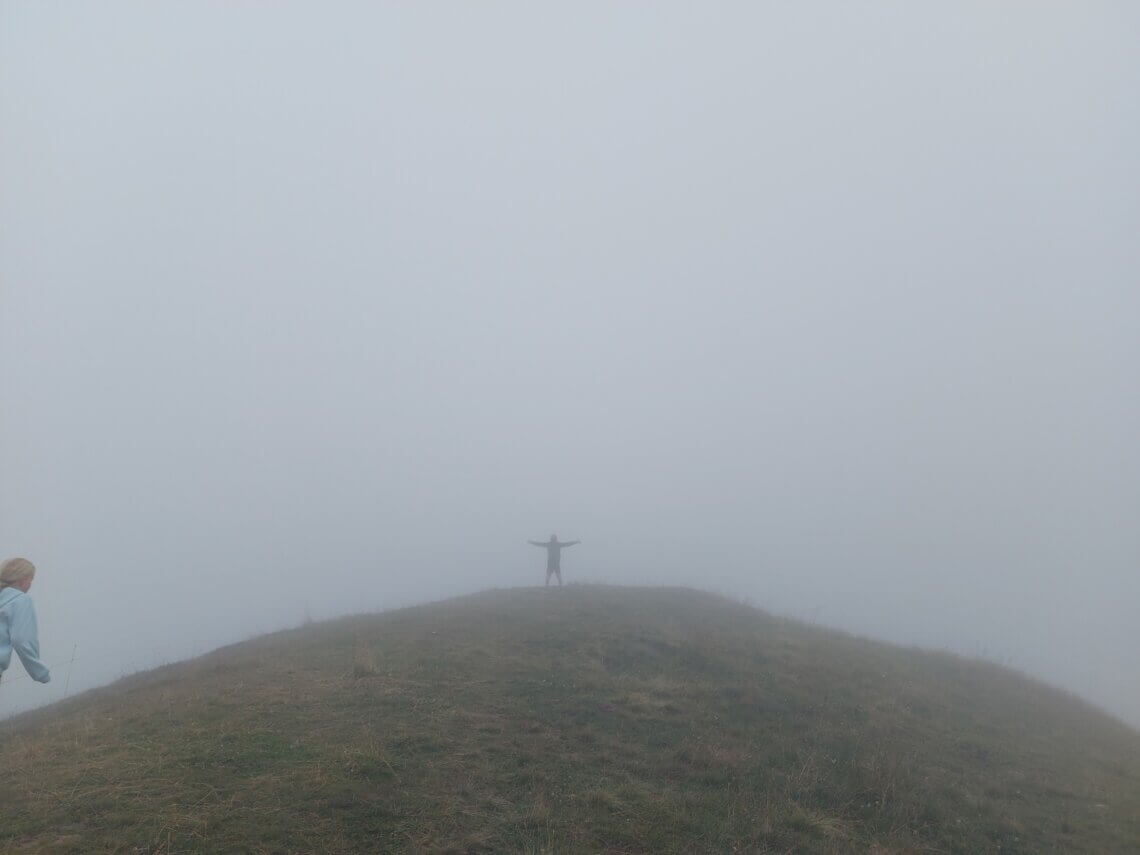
[583,719]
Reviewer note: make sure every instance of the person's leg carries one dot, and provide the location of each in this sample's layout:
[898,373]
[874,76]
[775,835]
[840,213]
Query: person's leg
[548,572]
[559,572]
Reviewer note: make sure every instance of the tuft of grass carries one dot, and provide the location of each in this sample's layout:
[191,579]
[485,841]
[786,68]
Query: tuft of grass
[585,719]
[364,662]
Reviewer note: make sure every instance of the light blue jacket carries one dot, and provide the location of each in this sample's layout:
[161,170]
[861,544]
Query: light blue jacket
[18,632]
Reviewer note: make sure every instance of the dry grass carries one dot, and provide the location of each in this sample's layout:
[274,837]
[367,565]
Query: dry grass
[586,719]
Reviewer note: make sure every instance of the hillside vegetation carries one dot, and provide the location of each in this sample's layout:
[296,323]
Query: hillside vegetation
[582,719]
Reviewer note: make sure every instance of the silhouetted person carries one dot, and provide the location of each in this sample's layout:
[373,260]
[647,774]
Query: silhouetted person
[553,549]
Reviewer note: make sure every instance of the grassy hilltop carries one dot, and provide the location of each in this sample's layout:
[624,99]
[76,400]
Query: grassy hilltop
[586,719]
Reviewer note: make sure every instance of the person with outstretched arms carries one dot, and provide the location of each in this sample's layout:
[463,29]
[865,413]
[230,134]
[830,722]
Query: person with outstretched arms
[553,549]
[18,630]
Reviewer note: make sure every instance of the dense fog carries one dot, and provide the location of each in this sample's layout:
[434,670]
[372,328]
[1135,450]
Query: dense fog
[310,309]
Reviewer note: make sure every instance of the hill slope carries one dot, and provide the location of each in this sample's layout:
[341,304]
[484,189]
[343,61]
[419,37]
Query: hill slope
[582,719]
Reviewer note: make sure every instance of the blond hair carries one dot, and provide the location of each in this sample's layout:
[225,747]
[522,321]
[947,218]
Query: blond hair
[16,570]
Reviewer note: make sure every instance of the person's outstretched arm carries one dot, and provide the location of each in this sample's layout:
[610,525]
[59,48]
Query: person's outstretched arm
[25,639]
[536,543]
[571,542]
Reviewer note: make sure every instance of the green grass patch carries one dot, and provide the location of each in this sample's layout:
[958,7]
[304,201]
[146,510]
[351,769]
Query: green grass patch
[585,719]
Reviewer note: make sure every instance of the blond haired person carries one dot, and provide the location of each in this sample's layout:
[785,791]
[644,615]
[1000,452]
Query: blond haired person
[18,619]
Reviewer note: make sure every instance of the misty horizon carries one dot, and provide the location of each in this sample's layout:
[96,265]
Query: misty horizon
[306,313]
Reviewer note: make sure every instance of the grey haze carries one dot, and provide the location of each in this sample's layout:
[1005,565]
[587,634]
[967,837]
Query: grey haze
[308,309]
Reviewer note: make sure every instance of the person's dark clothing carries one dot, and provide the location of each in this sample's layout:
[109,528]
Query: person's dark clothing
[553,552]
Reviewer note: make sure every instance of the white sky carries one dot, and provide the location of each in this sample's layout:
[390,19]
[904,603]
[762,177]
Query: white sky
[316,308]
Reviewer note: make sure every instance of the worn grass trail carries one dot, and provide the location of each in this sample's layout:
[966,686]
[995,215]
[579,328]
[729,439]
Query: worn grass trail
[583,719]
